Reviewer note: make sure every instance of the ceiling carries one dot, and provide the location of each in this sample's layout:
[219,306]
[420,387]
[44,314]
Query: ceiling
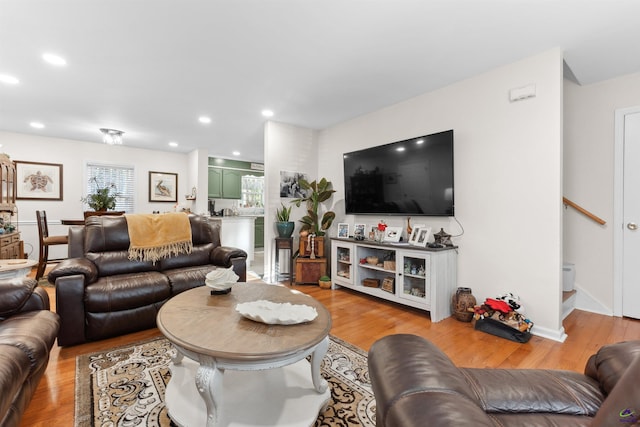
[152,68]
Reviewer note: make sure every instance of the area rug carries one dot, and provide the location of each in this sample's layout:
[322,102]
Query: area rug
[125,386]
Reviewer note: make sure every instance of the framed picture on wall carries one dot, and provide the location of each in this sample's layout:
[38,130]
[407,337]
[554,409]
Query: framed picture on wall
[163,187]
[38,181]
[290,184]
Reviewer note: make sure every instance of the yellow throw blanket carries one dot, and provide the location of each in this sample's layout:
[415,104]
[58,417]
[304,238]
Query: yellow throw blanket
[154,236]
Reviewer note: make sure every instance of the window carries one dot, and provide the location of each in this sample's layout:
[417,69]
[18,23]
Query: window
[120,176]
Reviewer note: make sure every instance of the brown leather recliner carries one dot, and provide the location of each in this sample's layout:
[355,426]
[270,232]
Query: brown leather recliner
[416,384]
[100,293]
[27,333]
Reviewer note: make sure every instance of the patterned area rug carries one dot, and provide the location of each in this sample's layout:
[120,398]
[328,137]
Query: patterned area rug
[125,386]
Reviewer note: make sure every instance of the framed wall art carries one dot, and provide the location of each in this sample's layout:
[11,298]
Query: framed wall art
[290,184]
[38,181]
[163,187]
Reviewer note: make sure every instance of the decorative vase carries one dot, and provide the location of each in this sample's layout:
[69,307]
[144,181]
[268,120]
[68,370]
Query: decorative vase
[285,229]
[461,301]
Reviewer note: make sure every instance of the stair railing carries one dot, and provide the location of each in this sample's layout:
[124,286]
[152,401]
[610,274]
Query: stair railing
[583,211]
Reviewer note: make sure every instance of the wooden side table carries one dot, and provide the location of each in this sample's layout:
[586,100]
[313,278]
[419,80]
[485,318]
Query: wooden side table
[310,270]
[284,243]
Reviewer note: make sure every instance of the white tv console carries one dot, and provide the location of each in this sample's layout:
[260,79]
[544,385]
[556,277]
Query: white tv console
[423,278]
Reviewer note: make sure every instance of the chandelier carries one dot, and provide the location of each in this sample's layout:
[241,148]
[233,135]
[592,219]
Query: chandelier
[111,136]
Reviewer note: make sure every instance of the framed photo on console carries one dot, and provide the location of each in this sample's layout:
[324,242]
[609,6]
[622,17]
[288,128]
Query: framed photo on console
[415,232]
[423,236]
[343,230]
[392,234]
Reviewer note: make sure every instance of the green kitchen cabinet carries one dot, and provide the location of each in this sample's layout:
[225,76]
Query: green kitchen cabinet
[259,232]
[215,183]
[225,183]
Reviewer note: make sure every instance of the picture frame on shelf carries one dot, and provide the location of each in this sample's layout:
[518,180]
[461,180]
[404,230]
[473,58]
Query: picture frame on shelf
[423,236]
[359,231]
[163,187]
[392,234]
[38,181]
[415,232]
[343,230]
[387,284]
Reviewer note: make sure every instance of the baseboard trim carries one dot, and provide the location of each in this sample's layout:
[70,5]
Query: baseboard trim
[552,334]
[586,302]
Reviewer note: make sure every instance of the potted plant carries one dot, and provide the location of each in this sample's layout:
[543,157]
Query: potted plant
[103,199]
[317,192]
[325,282]
[283,225]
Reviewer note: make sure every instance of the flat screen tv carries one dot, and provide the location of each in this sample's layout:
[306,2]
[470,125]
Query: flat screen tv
[410,177]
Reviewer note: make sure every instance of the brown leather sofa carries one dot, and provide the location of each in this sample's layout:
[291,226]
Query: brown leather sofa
[416,384]
[27,333]
[100,293]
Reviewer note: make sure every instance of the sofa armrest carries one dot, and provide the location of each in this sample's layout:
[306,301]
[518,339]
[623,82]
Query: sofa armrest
[73,266]
[16,295]
[622,405]
[222,255]
[404,368]
[225,256]
[70,308]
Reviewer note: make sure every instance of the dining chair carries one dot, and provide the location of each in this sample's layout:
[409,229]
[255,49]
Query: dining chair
[45,242]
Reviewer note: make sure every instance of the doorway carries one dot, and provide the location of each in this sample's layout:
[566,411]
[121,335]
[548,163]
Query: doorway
[627,213]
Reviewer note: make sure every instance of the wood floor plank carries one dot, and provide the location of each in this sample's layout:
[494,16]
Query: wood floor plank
[361,320]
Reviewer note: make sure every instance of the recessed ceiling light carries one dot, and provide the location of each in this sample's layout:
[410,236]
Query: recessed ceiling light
[420,141]
[54,59]
[10,80]
[236,153]
[204,119]
[267,113]
[36,125]
[173,144]
[400,149]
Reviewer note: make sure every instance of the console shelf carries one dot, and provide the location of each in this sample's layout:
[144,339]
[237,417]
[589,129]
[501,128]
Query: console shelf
[422,278]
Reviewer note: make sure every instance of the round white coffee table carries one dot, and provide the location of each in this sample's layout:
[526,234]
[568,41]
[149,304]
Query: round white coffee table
[238,372]
[10,268]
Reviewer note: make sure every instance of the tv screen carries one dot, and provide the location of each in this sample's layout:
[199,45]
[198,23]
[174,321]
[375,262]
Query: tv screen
[410,177]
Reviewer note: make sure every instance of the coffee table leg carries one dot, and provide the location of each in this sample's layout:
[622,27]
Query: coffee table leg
[319,383]
[209,383]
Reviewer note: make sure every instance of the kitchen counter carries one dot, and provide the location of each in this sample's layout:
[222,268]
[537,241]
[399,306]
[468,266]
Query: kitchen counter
[238,232]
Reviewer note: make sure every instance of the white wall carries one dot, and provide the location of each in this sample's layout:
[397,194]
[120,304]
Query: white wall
[74,155]
[287,148]
[589,181]
[508,178]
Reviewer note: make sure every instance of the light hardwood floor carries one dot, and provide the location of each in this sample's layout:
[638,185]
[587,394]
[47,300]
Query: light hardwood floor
[361,320]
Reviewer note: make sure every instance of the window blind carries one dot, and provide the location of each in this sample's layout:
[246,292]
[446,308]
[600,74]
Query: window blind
[120,176]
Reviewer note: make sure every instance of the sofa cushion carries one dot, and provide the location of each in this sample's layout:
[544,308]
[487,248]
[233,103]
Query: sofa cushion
[126,291]
[535,390]
[118,262]
[199,255]
[182,279]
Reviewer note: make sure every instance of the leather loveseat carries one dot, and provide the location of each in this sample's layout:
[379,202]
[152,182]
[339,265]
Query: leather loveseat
[416,384]
[100,293]
[27,333]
